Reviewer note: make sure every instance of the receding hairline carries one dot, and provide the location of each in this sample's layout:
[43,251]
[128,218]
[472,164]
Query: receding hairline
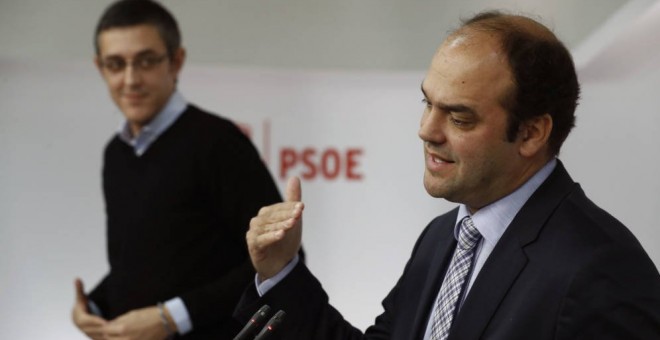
[503,24]
[545,81]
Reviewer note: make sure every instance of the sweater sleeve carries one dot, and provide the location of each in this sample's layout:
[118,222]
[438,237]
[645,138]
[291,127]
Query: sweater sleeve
[98,295]
[240,185]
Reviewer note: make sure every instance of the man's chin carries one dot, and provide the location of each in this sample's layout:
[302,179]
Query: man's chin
[434,190]
[138,117]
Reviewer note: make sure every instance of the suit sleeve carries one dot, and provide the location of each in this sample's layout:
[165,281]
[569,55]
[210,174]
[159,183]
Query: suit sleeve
[308,313]
[616,296]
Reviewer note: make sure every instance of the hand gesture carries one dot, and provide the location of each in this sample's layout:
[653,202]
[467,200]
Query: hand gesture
[139,324]
[275,233]
[91,325]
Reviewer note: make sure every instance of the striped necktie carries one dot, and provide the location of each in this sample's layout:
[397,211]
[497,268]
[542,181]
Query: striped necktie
[454,282]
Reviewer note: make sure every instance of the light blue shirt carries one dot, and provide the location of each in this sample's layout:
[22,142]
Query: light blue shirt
[492,221]
[266,285]
[174,108]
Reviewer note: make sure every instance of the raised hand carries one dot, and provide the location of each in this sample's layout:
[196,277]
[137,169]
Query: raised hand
[276,232]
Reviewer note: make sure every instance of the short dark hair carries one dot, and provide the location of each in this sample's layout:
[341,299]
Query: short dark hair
[543,72]
[125,13]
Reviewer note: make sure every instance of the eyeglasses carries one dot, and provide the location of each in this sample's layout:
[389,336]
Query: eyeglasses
[142,63]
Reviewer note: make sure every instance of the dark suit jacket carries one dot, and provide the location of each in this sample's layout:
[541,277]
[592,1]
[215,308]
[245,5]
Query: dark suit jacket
[564,269]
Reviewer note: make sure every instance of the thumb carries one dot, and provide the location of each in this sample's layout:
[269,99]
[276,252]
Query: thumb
[293,191]
[80,291]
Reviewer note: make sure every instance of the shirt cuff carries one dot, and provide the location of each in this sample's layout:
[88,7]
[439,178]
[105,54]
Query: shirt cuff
[264,287]
[179,314]
[93,308]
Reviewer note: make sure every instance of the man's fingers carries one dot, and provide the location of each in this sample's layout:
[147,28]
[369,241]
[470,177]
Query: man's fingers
[114,329]
[94,333]
[273,216]
[80,291]
[293,190]
[260,229]
[92,325]
[265,240]
[90,321]
[283,212]
[277,209]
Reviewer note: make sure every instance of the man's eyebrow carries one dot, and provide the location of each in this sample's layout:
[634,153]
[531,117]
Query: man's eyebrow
[142,53]
[111,56]
[452,107]
[146,52]
[458,108]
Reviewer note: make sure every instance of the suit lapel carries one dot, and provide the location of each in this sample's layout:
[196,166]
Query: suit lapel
[508,258]
[494,280]
[438,246]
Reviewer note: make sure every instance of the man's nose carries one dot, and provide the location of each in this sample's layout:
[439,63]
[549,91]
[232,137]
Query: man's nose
[431,128]
[132,75]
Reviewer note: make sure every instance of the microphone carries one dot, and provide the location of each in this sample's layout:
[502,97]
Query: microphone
[272,325]
[255,322]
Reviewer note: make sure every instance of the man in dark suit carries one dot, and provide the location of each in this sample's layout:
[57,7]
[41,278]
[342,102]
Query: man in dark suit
[180,187]
[526,255]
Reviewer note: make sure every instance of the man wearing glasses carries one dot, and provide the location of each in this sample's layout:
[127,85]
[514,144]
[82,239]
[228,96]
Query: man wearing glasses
[180,188]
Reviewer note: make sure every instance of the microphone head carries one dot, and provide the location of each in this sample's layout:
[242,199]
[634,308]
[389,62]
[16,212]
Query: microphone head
[253,325]
[271,326]
[262,313]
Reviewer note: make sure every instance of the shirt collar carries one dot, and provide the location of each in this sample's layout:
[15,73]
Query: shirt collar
[493,219]
[148,134]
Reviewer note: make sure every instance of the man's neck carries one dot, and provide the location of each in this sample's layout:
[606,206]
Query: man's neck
[135,129]
[523,176]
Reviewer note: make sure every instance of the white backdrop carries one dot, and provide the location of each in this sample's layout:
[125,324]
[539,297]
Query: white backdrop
[55,119]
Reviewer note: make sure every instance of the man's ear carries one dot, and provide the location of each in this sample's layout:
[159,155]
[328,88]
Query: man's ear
[534,135]
[178,60]
[97,62]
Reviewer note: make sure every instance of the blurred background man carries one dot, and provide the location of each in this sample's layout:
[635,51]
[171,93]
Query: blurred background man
[180,187]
